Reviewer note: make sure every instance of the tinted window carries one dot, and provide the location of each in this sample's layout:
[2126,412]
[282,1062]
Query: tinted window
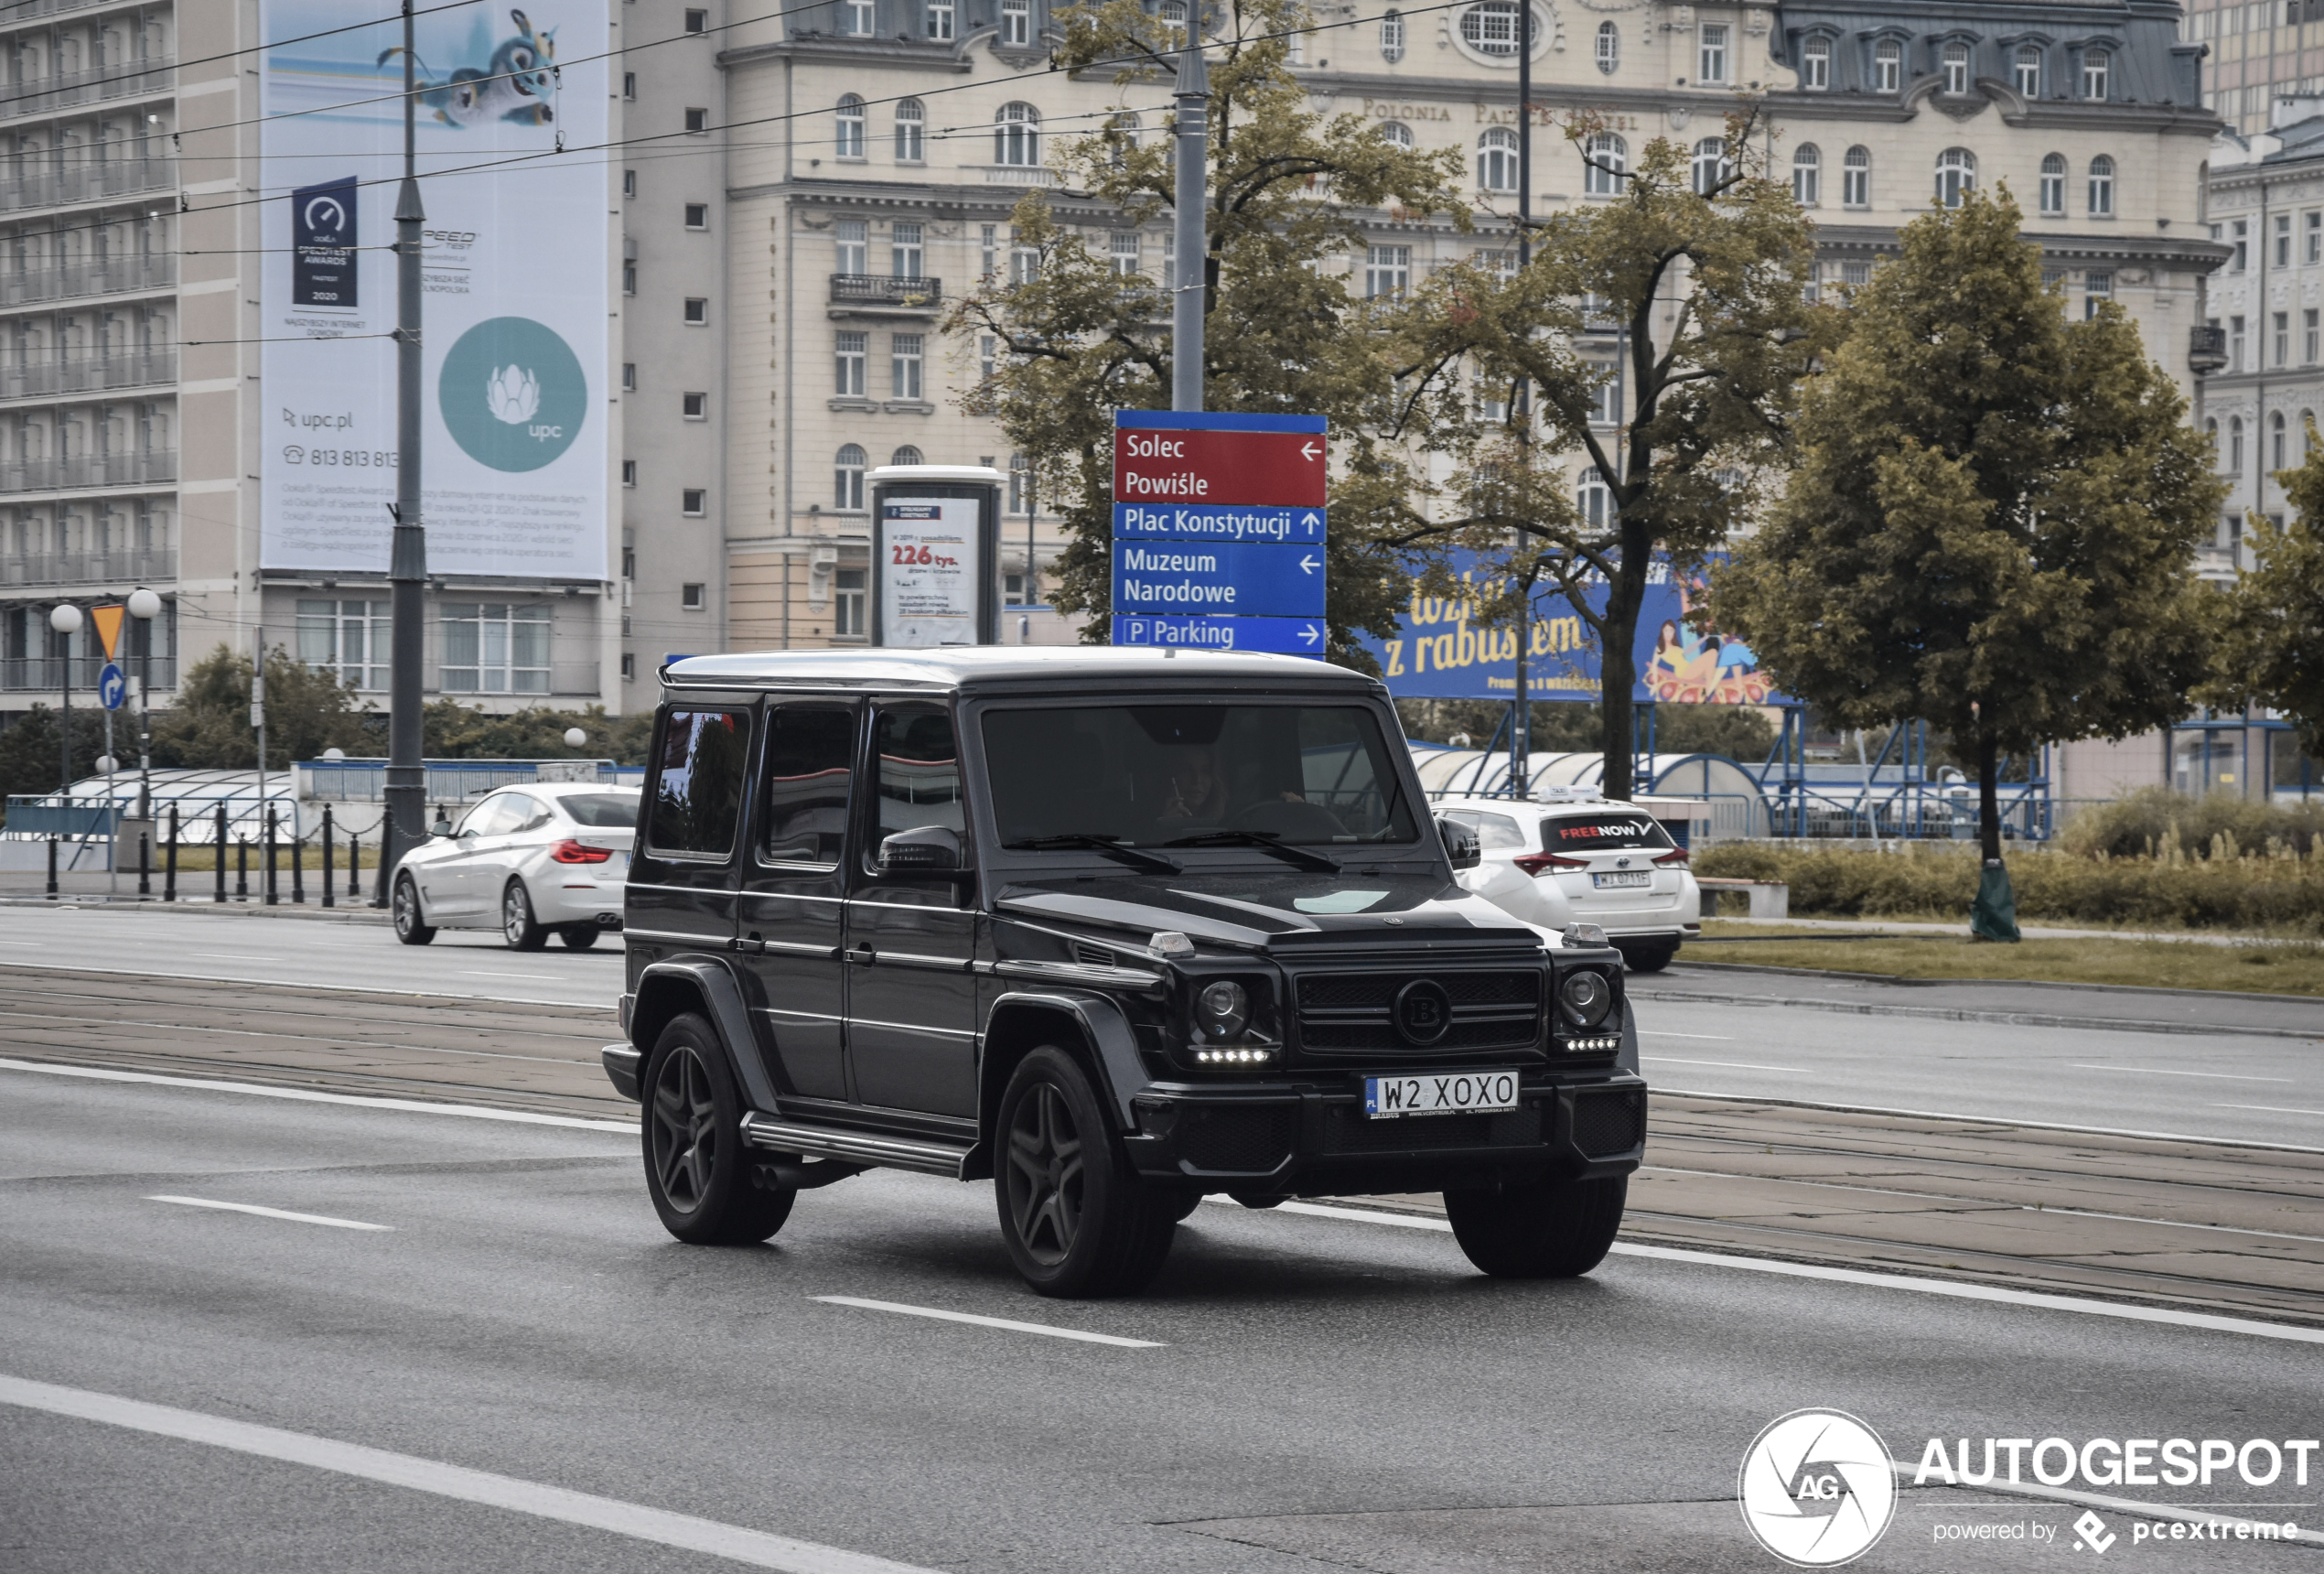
[496,815]
[810,761]
[1492,830]
[697,788]
[1635,828]
[919,772]
[601,811]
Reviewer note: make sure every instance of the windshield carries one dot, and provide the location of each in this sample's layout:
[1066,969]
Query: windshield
[1635,828]
[601,811]
[1153,775]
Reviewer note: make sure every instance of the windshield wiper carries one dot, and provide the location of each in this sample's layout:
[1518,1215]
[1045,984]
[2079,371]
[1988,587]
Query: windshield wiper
[1135,856]
[1266,841]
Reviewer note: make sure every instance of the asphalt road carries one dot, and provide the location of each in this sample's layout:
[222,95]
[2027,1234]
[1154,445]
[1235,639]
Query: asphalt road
[1313,1392]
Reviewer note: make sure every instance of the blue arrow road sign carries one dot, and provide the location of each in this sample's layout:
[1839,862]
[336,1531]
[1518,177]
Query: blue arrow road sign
[1170,576]
[1282,636]
[1207,522]
[112,687]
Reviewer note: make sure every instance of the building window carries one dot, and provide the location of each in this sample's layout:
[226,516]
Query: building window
[906,454]
[2283,338]
[903,365]
[1024,259]
[1491,28]
[1017,136]
[2026,66]
[1021,484]
[1956,69]
[2095,64]
[1496,161]
[697,121]
[1124,248]
[850,356]
[2053,185]
[1855,275]
[1607,160]
[1016,23]
[1710,165]
[2314,251]
[1595,500]
[850,141]
[1391,38]
[697,312]
[495,647]
[628,472]
[856,19]
[697,215]
[1711,55]
[697,21]
[629,666]
[693,502]
[2283,240]
[847,474]
[690,598]
[1609,48]
[911,124]
[629,377]
[851,239]
[693,406]
[629,86]
[2096,289]
[2235,445]
[847,598]
[1888,66]
[1397,132]
[2308,433]
[2239,239]
[988,251]
[940,21]
[2234,344]
[1807,175]
[988,349]
[2276,458]
[2309,347]
[1856,177]
[628,278]
[630,183]
[1956,176]
[2102,191]
[1387,271]
[904,251]
[348,639]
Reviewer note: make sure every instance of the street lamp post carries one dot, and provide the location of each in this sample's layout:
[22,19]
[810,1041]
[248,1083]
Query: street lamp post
[65,619]
[407,558]
[144,605]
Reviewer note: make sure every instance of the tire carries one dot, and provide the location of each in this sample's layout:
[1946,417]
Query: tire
[697,1171]
[578,936]
[518,926]
[1539,1229]
[1650,958]
[411,925]
[1182,1208]
[1077,1220]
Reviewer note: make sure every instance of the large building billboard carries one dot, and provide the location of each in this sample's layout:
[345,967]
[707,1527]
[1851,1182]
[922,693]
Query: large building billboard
[515,356]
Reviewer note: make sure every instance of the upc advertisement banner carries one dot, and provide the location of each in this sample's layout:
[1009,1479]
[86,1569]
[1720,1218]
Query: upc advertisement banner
[514,327]
[931,571]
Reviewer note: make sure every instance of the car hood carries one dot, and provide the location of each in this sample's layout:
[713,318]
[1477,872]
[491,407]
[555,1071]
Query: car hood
[1256,910]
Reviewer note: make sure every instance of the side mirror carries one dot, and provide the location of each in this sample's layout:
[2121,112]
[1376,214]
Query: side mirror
[1461,844]
[923,849]
[442,827]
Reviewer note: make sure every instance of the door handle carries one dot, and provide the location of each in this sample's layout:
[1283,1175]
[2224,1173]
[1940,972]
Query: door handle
[863,953]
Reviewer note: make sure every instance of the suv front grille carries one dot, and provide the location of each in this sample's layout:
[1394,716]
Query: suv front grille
[1253,1139]
[1353,1012]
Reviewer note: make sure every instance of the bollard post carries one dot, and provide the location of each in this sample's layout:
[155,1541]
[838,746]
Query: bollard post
[387,840]
[169,860]
[354,867]
[272,895]
[145,867]
[299,864]
[220,859]
[241,868]
[329,885]
[52,869]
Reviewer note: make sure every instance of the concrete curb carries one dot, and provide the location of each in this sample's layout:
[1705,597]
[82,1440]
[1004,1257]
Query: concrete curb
[310,910]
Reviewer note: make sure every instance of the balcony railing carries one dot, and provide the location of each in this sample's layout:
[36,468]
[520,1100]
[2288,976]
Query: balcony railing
[124,568]
[38,675]
[2206,349]
[33,379]
[88,470]
[88,183]
[64,90]
[23,11]
[107,275]
[879,291]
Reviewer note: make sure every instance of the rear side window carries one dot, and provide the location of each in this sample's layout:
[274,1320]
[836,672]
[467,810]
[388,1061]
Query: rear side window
[601,811]
[496,817]
[810,762]
[1492,830]
[697,784]
[919,772]
[1634,828]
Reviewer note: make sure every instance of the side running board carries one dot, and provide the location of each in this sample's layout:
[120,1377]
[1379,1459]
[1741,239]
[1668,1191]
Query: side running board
[850,1146]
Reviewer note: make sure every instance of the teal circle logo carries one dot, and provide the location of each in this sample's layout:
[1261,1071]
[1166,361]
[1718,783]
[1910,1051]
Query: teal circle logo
[512,393]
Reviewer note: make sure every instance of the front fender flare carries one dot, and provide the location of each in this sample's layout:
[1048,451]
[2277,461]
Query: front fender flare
[1104,1027]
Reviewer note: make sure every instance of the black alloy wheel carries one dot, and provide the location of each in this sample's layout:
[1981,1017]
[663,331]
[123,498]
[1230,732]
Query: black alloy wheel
[1076,1219]
[518,926]
[411,925]
[578,936]
[1547,1228]
[1046,1176]
[703,1180]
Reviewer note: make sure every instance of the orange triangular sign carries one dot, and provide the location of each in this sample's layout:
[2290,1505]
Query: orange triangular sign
[108,622]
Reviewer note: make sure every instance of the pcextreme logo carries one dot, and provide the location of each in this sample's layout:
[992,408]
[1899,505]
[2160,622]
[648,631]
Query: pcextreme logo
[1816,1488]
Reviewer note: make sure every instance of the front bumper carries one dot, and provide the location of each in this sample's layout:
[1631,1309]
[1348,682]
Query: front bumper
[1312,1138]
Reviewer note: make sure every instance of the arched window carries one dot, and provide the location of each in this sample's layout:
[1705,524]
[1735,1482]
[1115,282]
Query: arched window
[1496,161]
[1816,64]
[1397,132]
[906,454]
[1594,498]
[2053,185]
[847,478]
[1609,48]
[1856,177]
[1956,176]
[2096,65]
[1807,175]
[1017,136]
[851,126]
[1710,165]
[2026,66]
[2102,187]
[1391,38]
[1888,66]
[912,123]
[1956,68]
[1016,23]
[1608,157]
[2276,458]
[1020,483]
[2308,433]
[1491,28]
[2235,444]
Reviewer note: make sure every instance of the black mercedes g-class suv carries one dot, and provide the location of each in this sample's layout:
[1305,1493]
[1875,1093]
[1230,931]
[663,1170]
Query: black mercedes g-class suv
[1114,928]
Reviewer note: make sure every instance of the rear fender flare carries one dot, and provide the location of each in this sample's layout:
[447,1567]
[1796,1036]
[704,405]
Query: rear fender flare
[666,989]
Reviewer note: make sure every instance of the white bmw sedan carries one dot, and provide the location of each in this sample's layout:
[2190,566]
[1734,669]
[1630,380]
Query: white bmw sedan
[1590,860]
[531,861]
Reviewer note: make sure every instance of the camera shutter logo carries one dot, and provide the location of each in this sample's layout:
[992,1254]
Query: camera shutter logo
[1816,1488]
[512,393]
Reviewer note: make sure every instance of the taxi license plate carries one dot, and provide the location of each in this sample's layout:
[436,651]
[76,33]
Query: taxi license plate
[1451,1093]
[1626,880]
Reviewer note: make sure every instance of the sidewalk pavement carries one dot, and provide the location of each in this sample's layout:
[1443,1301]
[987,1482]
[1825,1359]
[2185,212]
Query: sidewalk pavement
[2031,931]
[20,887]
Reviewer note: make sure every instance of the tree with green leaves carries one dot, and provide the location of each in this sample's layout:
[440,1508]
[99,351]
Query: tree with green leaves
[1287,191]
[2272,642]
[1992,522]
[1681,301]
[308,711]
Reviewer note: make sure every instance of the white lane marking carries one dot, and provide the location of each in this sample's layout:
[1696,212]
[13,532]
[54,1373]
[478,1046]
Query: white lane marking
[2160,1071]
[237,957]
[309,1095]
[2268,1108]
[1724,1065]
[269,1212]
[1882,1281]
[528,977]
[1773,1102]
[1666,1033]
[754,1547]
[2099,1500]
[27,944]
[1014,1327]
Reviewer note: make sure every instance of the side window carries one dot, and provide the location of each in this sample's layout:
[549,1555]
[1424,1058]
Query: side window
[496,815]
[525,814]
[809,763]
[697,786]
[1492,830]
[919,772]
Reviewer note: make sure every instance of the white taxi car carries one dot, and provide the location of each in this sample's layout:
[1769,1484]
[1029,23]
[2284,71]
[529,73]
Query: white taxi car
[1588,860]
[540,859]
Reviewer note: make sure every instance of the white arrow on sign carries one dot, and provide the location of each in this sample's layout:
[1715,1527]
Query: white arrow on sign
[1311,520]
[1310,633]
[1310,450]
[1308,563]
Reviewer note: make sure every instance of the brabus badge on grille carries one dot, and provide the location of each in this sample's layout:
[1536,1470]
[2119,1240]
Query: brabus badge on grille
[1422,1011]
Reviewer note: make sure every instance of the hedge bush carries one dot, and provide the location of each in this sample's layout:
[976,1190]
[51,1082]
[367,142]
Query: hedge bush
[2151,821]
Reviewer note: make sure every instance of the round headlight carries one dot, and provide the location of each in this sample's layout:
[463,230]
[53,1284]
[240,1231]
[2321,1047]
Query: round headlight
[1586,998]
[1222,1009]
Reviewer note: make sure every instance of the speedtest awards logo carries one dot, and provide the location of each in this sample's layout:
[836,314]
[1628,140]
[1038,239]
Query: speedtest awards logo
[1816,1488]
[512,393]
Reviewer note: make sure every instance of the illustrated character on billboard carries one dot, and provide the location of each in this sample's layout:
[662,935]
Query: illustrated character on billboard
[517,85]
[1701,666]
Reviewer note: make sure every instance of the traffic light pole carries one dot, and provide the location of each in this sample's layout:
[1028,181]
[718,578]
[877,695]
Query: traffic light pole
[407,564]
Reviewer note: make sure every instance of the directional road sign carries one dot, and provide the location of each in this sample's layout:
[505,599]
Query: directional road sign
[1256,581]
[1203,522]
[1293,636]
[112,687]
[1169,455]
